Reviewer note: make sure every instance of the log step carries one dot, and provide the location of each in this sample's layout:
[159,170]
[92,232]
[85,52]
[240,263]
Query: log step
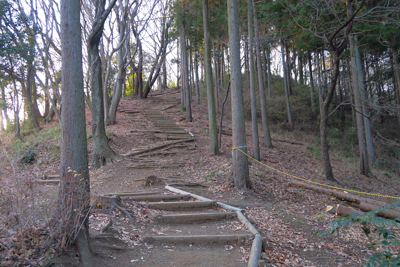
[156,197]
[180,205]
[200,239]
[127,194]
[194,217]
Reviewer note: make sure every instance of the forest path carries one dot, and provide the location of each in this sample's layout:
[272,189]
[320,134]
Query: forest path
[167,229]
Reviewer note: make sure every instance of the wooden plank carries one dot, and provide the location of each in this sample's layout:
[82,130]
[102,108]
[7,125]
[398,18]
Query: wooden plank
[156,197]
[122,194]
[179,191]
[180,205]
[200,239]
[194,217]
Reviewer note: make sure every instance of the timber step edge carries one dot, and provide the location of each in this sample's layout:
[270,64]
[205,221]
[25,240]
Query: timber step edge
[180,205]
[194,217]
[201,239]
[156,198]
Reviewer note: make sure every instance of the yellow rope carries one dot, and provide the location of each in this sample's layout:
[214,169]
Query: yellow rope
[330,186]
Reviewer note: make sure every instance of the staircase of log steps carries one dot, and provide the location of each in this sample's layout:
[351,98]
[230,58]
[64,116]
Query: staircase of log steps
[199,213]
[180,211]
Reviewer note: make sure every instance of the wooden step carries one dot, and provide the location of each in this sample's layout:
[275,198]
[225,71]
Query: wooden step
[180,205]
[201,239]
[156,197]
[127,194]
[194,217]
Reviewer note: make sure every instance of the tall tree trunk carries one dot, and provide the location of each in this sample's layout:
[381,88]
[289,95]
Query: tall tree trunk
[33,115]
[102,152]
[323,107]
[311,82]
[212,120]
[16,111]
[196,67]
[396,64]
[240,167]
[301,68]
[265,126]
[74,195]
[288,70]
[254,123]
[364,159]
[285,79]
[120,81]
[185,77]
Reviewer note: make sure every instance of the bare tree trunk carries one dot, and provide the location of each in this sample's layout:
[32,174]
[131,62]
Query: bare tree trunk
[265,126]
[364,164]
[285,80]
[212,120]
[185,76]
[120,81]
[288,70]
[16,111]
[311,82]
[240,168]
[74,195]
[196,62]
[254,123]
[102,152]
[396,64]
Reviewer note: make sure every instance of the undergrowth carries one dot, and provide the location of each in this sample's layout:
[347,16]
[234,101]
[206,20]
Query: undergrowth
[383,240]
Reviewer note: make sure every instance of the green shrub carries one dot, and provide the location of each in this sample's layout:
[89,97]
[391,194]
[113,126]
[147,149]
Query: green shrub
[383,242]
[315,152]
[28,155]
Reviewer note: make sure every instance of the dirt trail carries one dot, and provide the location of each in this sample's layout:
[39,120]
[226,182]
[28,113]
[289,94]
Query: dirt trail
[286,215]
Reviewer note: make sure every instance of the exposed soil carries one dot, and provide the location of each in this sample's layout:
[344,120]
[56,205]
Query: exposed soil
[287,215]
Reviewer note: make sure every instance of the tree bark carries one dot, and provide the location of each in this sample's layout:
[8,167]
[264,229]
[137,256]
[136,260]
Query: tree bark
[254,123]
[396,64]
[102,152]
[285,80]
[74,195]
[311,82]
[120,81]
[240,168]
[196,67]
[264,118]
[212,120]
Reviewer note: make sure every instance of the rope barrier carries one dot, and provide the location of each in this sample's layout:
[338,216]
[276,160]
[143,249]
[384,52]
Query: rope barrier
[302,179]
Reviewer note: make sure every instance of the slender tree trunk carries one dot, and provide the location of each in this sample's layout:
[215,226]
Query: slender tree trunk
[300,57]
[254,123]
[240,168]
[265,126]
[288,70]
[311,82]
[196,65]
[323,106]
[102,152]
[285,79]
[212,120]
[74,195]
[16,111]
[364,159]
[120,81]
[396,64]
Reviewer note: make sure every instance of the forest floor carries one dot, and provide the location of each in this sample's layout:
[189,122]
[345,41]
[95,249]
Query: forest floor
[287,215]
